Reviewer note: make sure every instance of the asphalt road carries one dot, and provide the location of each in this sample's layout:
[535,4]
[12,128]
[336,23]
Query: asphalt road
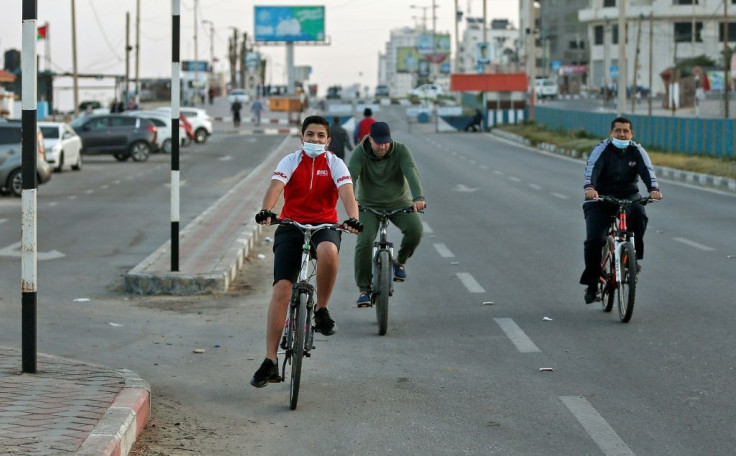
[459,370]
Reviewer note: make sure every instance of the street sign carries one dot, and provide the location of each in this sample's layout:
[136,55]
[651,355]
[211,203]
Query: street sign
[556,64]
[614,71]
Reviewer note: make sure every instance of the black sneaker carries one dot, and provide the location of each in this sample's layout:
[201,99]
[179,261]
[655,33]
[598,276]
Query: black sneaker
[591,294]
[267,373]
[323,323]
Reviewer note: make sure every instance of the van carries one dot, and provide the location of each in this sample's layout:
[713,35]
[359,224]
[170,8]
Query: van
[546,88]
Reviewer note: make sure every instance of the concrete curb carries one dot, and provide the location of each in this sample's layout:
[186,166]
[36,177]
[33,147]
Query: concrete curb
[124,420]
[699,179]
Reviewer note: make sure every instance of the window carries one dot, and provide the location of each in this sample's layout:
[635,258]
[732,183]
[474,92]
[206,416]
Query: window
[685,2]
[50,132]
[684,32]
[598,35]
[614,34]
[731,32]
[123,121]
[10,135]
[609,3]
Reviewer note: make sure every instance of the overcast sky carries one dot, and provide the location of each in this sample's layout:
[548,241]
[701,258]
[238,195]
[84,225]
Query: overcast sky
[357,29]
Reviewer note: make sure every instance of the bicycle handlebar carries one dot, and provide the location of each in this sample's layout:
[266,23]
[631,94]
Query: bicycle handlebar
[307,226]
[387,212]
[625,202]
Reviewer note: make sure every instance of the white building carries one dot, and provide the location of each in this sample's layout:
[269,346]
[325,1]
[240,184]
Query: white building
[504,43]
[671,25]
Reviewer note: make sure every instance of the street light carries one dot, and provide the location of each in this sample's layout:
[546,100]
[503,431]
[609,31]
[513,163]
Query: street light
[212,42]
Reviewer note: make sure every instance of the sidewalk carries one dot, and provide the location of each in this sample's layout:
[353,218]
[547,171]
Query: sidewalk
[69,407]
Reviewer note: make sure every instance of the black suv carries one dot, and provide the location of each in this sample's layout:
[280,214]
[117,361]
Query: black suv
[122,136]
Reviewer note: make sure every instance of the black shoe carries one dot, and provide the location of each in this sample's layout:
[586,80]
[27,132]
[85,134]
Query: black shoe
[267,373]
[591,294]
[323,323]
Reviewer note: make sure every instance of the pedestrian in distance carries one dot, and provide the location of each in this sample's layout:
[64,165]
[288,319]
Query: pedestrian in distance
[235,109]
[613,169]
[475,123]
[339,139]
[311,180]
[363,127]
[386,177]
[256,107]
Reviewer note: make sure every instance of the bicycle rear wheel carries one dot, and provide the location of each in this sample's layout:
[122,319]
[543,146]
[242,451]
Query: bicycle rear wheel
[608,270]
[300,319]
[626,291]
[384,286]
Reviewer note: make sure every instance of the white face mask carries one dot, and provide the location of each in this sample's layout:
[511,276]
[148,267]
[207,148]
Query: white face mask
[621,143]
[313,150]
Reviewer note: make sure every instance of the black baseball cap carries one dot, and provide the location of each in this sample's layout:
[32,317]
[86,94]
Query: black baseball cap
[381,133]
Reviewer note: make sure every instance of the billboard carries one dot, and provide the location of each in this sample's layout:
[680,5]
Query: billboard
[289,23]
[407,59]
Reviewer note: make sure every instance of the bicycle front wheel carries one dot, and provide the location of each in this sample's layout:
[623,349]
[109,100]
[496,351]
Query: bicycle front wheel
[608,270]
[626,291]
[384,288]
[300,320]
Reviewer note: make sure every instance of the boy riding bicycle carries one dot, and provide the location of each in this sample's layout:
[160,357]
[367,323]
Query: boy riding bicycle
[311,180]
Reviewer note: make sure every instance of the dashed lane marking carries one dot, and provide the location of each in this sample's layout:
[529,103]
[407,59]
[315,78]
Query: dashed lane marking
[444,251]
[697,245]
[426,228]
[535,186]
[470,283]
[523,343]
[599,430]
[559,195]
[514,179]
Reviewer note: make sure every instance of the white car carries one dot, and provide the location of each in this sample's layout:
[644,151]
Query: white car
[200,120]
[63,146]
[238,95]
[162,121]
[546,88]
[427,91]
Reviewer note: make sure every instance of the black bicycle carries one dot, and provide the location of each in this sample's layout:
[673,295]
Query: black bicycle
[383,259]
[618,265]
[298,339]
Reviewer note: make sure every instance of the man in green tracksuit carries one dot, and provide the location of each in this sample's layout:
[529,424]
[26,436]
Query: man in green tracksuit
[386,177]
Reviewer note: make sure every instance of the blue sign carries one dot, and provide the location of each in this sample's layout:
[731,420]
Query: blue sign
[289,23]
[445,68]
[556,65]
[613,71]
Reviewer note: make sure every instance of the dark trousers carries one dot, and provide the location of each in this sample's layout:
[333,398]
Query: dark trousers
[598,218]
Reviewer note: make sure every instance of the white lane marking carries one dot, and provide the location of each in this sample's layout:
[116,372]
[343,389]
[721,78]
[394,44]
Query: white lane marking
[426,228]
[89,192]
[117,182]
[443,251]
[464,189]
[523,343]
[3,220]
[599,430]
[228,157]
[560,195]
[514,178]
[535,186]
[500,173]
[484,167]
[473,162]
[702,247]
[53,203]
[13,250]
[470,283]
[72,197]
[105,186]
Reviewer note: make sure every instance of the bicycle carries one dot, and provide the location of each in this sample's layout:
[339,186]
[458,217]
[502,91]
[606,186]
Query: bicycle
[298,338]
[383,260]
[618,265]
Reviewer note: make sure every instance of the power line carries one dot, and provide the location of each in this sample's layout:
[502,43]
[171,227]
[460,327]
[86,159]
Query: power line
[99,24]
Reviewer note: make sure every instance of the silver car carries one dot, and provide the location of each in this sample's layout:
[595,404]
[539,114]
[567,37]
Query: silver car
[11,179]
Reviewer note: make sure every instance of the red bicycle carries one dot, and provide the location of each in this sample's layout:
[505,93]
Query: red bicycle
[618,267]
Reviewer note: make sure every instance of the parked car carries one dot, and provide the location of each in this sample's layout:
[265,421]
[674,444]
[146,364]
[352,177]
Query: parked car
[121,135]
[11,179]
[238,95]
[163,126]
[427,91]
[200,120]
[382,90]
[546,88]
[63,146]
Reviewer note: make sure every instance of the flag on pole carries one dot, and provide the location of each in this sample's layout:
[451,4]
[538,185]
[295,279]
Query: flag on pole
[41,32]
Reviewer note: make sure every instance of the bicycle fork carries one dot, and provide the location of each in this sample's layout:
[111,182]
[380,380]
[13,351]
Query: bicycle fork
[378,246]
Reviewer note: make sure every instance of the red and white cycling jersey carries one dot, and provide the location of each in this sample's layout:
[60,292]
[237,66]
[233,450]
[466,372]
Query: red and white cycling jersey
[310,194]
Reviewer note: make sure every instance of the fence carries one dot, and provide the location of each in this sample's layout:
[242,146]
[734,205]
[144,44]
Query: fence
[683,135]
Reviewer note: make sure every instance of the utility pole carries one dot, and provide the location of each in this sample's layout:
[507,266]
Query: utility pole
[233,57]
[725,60]
[634,84]
[74,60]
[651,59]
[606,64]
[435,69]
[485,30]
[457,38]
[531,55]
[241,60]
[127,57]
[196,55]
[622,66]
[137,51]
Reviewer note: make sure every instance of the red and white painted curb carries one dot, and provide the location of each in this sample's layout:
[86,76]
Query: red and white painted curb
[123,422]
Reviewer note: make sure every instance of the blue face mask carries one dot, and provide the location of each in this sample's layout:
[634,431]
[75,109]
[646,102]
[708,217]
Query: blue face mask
[621,143]
[313,150]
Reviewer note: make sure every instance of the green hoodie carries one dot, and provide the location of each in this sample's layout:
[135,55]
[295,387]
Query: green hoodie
[385,183]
